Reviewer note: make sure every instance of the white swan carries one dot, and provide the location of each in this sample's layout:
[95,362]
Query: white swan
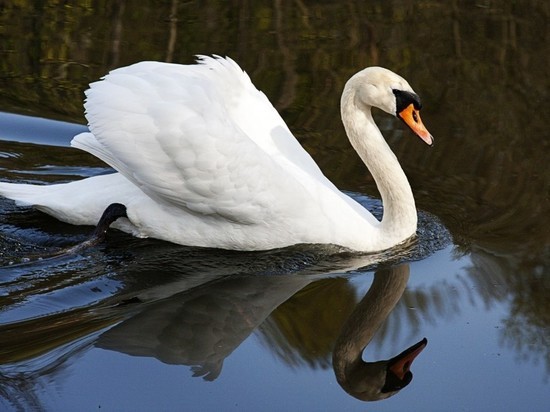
[204,159]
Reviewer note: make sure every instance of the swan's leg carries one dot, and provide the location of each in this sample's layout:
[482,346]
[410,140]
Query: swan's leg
[113,212]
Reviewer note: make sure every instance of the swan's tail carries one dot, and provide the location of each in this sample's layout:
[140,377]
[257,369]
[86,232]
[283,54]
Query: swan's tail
[76,202]
[51,199]
[23,194]
[81,202]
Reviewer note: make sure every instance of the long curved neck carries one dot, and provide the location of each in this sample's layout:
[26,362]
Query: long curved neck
[370,313]
[399,219]
[386,290]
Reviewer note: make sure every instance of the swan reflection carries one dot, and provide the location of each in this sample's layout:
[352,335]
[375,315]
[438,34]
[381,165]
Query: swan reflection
[200,327]
[203,326]
[197,315]
[371,381]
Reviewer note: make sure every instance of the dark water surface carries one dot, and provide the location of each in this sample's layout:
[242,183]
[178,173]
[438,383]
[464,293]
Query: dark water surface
[137,324]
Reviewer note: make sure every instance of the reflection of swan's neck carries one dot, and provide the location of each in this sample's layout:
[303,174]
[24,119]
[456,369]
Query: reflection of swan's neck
[358,331]
[400,219]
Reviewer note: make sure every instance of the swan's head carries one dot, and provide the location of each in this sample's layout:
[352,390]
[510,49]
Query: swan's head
[382,88]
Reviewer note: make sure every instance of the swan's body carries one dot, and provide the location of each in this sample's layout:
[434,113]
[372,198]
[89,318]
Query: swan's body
[204,159]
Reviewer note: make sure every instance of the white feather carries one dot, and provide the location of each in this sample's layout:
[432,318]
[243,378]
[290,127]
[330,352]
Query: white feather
[204,159]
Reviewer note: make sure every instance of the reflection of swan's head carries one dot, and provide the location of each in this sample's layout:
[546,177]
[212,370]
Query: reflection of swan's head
[372,381]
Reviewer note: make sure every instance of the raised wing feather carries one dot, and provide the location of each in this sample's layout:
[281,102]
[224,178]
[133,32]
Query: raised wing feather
[199,137]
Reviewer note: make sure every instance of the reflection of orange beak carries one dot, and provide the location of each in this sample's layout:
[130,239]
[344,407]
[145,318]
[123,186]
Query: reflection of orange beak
[411,117]
[401,364]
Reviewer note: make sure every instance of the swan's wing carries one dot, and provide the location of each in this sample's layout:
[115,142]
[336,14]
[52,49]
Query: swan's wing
[200,137]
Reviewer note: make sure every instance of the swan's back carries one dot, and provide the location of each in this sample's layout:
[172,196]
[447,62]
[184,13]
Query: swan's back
[200,137]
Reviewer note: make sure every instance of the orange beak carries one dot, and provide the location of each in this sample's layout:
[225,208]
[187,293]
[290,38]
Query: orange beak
[411,117]
[401,364]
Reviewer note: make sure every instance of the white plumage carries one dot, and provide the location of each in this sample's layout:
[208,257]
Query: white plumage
[204,159]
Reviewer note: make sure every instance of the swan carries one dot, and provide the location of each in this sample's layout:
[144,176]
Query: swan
[372,381]
[202,158]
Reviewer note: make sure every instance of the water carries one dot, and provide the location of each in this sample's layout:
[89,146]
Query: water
[126,325]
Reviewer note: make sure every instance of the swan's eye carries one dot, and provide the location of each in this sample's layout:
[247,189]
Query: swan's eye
[415,116]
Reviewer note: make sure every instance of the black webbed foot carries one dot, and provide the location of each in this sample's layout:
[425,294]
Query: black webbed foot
[112,213]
